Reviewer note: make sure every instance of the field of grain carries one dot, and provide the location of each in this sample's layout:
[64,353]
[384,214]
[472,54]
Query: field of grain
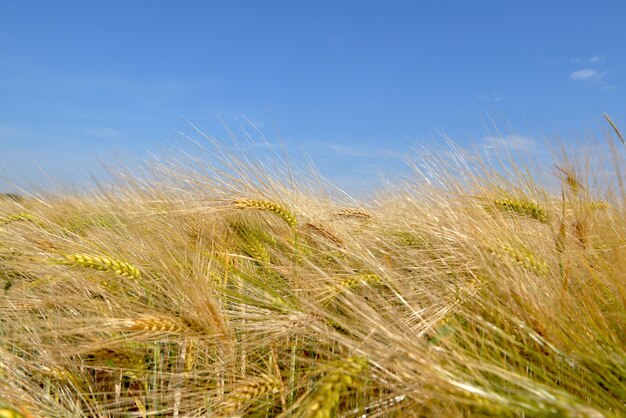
[188,291]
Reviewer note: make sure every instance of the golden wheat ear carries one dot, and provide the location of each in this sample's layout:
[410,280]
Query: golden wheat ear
[266,205]
[352,213]
[252,391]
[154,324]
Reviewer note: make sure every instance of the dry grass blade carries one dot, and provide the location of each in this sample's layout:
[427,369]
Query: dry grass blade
[610,121]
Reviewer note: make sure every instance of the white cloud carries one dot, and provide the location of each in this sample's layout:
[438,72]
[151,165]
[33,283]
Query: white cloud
[585,74]
[591,77]
[595,58]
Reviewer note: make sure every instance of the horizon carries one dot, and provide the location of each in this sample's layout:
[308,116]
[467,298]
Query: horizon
[357,86]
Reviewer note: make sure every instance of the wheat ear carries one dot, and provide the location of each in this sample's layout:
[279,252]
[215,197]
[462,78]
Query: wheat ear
[251,391]
[524,257]
[154,324]
[353,213]
[19,217]
[97,262]
[599,204]
[9,412]
[358,279]
[522,207]
[343,376]
[324,232]
[268,206]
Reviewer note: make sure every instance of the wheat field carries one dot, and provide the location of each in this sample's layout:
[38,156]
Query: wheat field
[467,289]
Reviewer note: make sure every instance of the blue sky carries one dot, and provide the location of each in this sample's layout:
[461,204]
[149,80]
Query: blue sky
[354,83]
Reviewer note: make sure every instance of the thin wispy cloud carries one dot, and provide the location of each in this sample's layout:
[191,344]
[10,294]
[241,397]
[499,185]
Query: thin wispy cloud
[591,77]
[513,142]
[590,60]
[586,74]
[492,97]
[365,151]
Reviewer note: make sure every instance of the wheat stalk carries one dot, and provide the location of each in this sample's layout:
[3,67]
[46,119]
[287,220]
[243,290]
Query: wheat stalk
[101,263]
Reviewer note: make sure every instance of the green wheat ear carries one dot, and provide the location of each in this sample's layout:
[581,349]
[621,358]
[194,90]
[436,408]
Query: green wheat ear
[599,204]
[10,412]
[344,375]
[253,242]
[524,257]
[20,217]
[101,263]
[353,281]
[266,205]
[522,207]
